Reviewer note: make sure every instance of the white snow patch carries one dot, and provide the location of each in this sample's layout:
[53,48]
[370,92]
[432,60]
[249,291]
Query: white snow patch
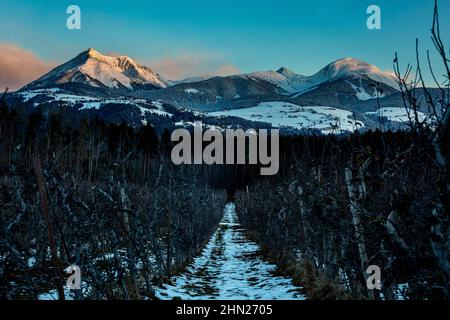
[229,268]
[96,103]
[158,104]
[285,114]
[401,291]
[362,94]
[397,114]
[53,295]
[191,90]
[154,111]
[27,95]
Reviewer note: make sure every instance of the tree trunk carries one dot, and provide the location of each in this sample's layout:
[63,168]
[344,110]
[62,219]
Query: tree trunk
[356,211]
[50,234]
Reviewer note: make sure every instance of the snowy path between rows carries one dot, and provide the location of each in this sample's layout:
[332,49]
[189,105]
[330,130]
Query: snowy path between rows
[230,268]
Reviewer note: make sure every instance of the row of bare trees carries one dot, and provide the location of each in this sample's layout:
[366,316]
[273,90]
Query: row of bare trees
[433,130]
[342,205]
[105,198]
[376,199]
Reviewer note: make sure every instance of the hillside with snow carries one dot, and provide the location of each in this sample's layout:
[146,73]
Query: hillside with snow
[284,114]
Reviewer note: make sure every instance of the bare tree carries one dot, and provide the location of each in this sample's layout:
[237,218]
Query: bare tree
[435,131]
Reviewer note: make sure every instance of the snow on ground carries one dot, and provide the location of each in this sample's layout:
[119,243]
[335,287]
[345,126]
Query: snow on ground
[278,113]
[89,102]
[27,95]
[397,114]
[230,268]
[183,123]
[191,90]
[56,95]
[158,103]
[362,94]
[99,103]
[186,124]
[53,295]
[155,111]
[401,291]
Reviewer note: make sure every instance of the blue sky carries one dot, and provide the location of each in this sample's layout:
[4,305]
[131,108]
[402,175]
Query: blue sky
[205,35]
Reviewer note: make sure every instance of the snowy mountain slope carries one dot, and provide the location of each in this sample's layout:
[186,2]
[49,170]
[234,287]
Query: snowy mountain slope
[212,93]
[84,102]
[283,78]
[279,114]
[94,73]
[297,84]
[95,69]
[341,84]
[117,108]
[348,93]
[353,67]
[327,100]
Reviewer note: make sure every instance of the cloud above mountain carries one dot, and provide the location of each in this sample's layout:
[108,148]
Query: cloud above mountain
[19,66]
[188,65]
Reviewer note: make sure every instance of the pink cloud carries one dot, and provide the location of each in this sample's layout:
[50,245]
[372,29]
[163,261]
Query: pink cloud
[227,69]
[19,66]
[188,65]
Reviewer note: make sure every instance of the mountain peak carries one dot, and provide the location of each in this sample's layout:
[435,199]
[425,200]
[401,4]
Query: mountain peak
[98,70]
[349,65]
[92,51]
[94,54]
[350,60]
[355,67]
[286,72]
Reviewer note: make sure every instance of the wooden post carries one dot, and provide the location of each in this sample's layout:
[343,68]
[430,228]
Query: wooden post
[356,211]
[130,250]
[50,234]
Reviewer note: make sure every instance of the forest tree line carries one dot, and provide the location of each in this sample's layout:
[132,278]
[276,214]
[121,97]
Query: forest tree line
[100,196]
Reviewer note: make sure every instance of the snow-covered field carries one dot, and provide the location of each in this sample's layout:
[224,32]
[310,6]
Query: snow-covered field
[397,114]
[89,102]
[229,268]
[278,113]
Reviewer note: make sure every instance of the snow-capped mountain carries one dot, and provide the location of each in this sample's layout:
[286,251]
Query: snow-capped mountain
[294,83]
[283,78]
[344,83]
[346,67]
[342,96]
[101,71]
